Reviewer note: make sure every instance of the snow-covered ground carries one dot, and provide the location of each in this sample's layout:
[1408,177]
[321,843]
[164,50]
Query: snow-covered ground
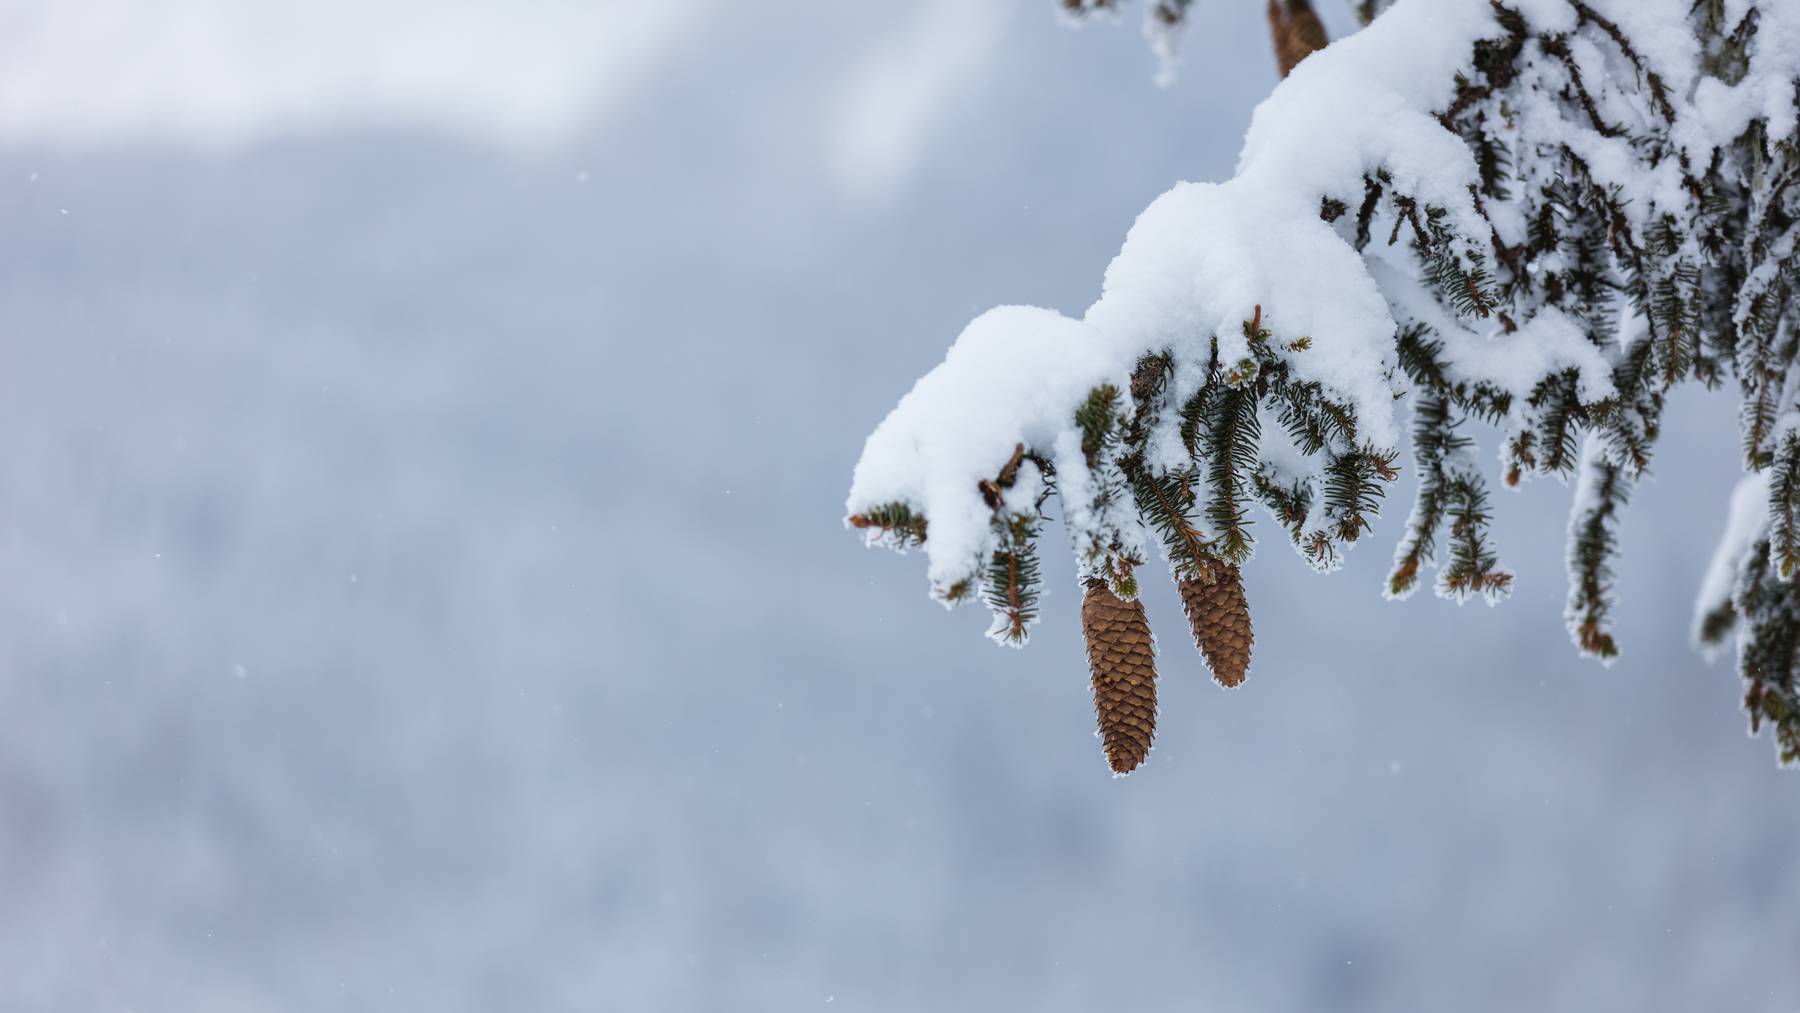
[422,586]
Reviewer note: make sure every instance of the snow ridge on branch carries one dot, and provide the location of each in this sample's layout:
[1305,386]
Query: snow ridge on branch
[1537,214]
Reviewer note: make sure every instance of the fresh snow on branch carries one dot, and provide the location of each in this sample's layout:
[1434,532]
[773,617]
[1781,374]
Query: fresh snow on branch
[1538,214]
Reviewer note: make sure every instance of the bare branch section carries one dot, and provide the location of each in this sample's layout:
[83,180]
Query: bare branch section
[1539,217]
[1296,31]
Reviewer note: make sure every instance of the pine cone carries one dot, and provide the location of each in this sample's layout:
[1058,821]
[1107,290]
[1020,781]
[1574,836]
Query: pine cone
[1221,620]
[1297,32]
[1122,660]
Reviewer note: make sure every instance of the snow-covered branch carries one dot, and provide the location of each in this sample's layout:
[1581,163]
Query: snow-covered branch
[1541,214]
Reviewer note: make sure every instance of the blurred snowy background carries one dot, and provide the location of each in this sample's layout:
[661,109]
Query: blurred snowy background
[423,435]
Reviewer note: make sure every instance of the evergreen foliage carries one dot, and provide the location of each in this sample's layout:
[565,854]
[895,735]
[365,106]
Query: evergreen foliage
[1622,218]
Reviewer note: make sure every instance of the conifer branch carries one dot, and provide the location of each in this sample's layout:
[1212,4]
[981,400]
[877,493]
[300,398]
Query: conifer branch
[1784,506]
[1166,501]
[1435,440]
[1010,585]
[1593,542]
[1474,566]
[1584,259]
[1767,650]
[893,524]
[1231,461]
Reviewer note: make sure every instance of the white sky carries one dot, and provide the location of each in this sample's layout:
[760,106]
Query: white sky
[904,87]
[223,72]
[521,75]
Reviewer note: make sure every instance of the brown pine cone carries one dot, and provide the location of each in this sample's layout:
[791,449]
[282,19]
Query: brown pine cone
[1221,620]
[1297,32]
[1122,660]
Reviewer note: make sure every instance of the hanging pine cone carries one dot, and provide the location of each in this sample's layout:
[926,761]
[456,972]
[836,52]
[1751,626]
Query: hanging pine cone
[1221,620]
[1122,660]
[1297,31]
